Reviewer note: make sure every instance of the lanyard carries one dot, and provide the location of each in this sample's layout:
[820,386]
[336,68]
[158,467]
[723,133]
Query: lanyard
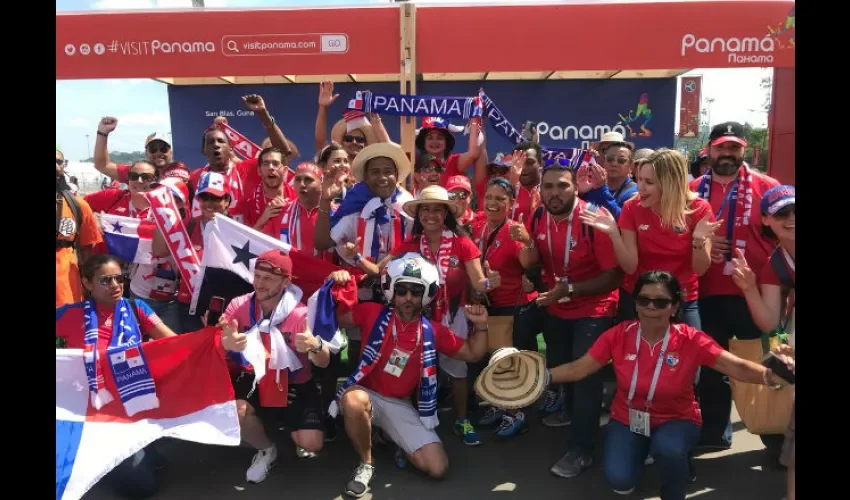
[566,244]
[490,237]
[655,375]
[418,333]
[732,193]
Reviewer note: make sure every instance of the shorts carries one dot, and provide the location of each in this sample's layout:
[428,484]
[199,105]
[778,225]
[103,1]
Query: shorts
[456,368]
[334,369]
[400,420]
[303,411]
[789,446]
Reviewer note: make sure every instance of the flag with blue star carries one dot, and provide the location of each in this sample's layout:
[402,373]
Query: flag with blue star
[128,238]
[230,253]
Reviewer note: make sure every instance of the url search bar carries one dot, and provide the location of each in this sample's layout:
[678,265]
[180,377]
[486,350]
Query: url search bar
[280,44]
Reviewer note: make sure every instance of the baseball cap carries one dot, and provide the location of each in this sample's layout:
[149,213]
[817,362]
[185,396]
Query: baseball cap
[212,183]
[275,262]
[157,136]
[777,198]
[459,182]
[178,188]
[727,132]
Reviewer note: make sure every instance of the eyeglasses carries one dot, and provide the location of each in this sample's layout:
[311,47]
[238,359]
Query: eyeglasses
[60,161]
[359,139]
[462,195]
[144,176]
[617,159]
[785,212]
[158,148]
[402,289]
[431,168]
[274,165]
[105,281]
[657,303]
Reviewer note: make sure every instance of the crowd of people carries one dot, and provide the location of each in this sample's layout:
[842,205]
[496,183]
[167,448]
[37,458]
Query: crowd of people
[634,262]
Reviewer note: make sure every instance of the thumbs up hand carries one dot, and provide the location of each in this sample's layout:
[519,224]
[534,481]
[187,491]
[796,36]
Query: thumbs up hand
[519,232]
[231,339]
[494,279]
[349,250]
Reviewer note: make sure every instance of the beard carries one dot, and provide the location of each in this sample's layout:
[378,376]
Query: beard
[726,165]
[559,209]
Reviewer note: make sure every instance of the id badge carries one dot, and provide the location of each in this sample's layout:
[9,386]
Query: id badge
[727,268]
[395,365]
[639,422]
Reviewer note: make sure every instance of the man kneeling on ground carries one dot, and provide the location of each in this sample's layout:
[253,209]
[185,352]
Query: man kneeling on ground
[400,355]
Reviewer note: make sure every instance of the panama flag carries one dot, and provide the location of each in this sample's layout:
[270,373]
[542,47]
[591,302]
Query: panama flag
[128,238]
[196,404]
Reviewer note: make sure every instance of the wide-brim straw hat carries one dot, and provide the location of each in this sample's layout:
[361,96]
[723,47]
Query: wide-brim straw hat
[609,138]
[432,194]
[513,379]
[340,128]
[389,150]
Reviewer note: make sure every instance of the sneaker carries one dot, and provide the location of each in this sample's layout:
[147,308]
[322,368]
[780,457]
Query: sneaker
[358,485]
[302,453]
[548,397]
[625,492]
[571,464]
[557,419]
[400,458]
[261,464]
[464,429]
[649,460]
[512,425]
[491,417]
[553,401]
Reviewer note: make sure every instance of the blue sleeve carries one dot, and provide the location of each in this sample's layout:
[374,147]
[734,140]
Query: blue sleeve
[601,197]
[627,194]
[142,309]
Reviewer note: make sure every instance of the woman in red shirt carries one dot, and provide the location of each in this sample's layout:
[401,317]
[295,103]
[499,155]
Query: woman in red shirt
[435,138]
[655,362]
[507,251]
[666,227]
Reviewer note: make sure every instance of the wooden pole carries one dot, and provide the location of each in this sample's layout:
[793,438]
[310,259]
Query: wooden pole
[407,77]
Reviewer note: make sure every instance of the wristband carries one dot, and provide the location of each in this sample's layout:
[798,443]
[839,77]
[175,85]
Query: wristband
[358,258]
[102,134]
[272,124]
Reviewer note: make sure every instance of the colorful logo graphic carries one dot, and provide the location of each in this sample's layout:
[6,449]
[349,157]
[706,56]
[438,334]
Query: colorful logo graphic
[784,31]
[638,119]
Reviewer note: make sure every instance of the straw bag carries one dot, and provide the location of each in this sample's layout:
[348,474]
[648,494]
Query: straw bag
[762,409]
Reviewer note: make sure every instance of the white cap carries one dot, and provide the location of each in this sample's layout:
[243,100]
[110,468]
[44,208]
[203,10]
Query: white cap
[157,136]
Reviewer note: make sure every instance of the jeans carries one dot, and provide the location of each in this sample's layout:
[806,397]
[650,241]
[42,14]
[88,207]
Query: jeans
[723,316]
[188,322]
[669,444]
[167,311]
[568,340]
[528,322]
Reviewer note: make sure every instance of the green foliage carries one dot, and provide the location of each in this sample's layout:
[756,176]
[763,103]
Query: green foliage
[123,157]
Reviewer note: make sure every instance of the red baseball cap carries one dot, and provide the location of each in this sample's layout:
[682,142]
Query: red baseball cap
[459,182]
[275,262]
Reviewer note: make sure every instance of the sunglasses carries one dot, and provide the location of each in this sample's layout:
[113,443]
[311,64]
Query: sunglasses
[144,177]
[459,196]
[497,169]
[432,168]
[402,289]
[359,139]
[105,281]
[60,161]
[657,303]
[158,148]
[617,159]
[785,212]
[209,197]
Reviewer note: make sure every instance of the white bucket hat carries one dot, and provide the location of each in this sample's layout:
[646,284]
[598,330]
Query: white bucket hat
[513,379]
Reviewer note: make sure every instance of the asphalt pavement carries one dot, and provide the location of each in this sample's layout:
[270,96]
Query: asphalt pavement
[516,469]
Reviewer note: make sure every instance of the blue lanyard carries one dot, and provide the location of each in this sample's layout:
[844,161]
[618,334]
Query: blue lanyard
[733,192]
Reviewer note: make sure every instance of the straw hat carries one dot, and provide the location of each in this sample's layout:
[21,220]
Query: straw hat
[389,150]
[432,194]
[513,379]
[611,137]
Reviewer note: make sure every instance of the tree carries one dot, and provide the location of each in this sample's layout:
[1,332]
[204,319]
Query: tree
[766,84]
[123,157]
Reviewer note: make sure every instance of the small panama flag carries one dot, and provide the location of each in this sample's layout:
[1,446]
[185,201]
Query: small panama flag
[357,102]
[126,360]
[431,372]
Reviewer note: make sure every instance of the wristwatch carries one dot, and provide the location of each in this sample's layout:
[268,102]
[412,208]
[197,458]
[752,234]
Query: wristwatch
[318,346]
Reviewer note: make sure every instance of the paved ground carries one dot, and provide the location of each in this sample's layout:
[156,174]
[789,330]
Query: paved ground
[517,469]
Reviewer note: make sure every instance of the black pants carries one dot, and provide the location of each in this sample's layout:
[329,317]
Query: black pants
[723,317]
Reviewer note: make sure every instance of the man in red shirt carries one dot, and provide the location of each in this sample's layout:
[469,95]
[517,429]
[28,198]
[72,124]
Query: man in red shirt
[398,356]
[732,189]
[581,301]
[266,200]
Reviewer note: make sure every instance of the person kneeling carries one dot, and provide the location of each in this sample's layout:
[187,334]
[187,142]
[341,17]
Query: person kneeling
[399,355]
[286,392]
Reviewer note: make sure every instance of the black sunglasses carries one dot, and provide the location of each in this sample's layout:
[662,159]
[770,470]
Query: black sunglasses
[459,196]
[107,280]
[618,159]
[209,197]
[158,148]
[785,212]
[145,177]
[402,289]
[359,139]
[657,303]
[60,161]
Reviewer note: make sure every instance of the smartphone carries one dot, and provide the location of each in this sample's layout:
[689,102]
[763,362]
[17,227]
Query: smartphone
[528,130]
[215,310]
[776,365]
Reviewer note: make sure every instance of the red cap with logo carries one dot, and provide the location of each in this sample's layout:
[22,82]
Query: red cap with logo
[459,182]
[275,262]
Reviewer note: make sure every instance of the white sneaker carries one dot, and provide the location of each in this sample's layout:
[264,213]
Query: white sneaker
[302,453]
[649,460]
[625,492]
[261,464]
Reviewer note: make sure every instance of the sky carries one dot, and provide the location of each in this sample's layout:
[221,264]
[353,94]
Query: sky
[141,106]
